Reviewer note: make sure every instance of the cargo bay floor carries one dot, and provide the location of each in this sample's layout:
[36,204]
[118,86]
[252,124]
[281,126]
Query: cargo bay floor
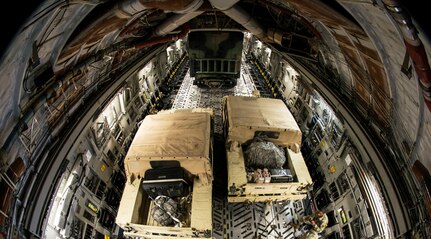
[236,220]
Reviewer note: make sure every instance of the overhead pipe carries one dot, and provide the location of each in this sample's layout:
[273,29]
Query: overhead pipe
[134,27]
[223,5]
[127,9]
[177,6]
[171,24]
[174,22]
[239,15]
[165,39]
[414,47]
[186,10]
[89,2]
[118,16]
[191,6]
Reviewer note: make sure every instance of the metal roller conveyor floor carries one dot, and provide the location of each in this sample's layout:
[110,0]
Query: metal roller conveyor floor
[237,220]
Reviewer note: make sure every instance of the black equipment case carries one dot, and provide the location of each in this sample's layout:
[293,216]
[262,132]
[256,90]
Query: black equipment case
[171,182]
[281,176]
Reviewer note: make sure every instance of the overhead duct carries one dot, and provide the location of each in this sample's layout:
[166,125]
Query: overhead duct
[186,14]
[174,22]
[223,5]
[240,15]
[128,8]
[171,24]
[177,6]
[117,17]
[164,39]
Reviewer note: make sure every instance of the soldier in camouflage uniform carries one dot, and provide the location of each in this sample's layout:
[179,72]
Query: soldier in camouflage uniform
[318,222]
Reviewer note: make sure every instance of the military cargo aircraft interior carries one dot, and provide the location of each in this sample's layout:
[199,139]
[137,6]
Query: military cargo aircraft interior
[216,119]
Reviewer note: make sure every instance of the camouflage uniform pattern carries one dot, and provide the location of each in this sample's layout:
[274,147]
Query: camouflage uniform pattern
[320,223]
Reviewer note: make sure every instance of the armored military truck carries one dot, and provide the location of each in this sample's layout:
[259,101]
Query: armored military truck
[215,57]
[168,193]
[263,151]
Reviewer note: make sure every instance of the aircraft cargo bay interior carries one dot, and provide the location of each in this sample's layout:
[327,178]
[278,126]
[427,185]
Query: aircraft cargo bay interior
[216,119]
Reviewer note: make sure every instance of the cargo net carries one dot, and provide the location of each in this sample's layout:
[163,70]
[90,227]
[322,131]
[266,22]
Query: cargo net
[264,162]
[172,211]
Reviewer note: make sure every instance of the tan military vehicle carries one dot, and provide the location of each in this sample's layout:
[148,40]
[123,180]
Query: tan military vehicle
[168,193]
[263,151]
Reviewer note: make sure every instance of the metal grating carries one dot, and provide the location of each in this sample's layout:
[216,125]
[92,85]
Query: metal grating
[191,96]
[238,220]
[255,220]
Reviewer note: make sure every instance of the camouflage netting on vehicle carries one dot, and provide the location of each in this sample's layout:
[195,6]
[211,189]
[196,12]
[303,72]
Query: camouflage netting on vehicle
[264,154]
[165,210]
